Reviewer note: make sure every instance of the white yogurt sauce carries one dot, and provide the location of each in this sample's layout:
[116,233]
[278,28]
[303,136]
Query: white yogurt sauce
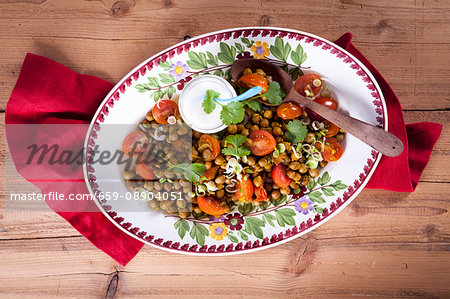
[191,99]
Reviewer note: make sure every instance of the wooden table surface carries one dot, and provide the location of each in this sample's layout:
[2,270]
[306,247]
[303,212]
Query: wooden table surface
[384,244]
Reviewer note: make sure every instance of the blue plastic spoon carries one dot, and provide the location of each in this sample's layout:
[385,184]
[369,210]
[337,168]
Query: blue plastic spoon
[246,95]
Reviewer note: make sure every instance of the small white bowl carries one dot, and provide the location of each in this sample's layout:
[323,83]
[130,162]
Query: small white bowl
[191,99]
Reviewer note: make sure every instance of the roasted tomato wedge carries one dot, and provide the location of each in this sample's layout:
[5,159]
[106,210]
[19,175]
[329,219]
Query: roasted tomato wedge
[330,128]
[163,109]
[252,80]
[136,139]
[327,102]
[245,190]
[289,110]
[332,150]
[209,174]
[308,85]
[279,176]
[211,144]
[212,206]
[261,194]
[145,171]
[263,143]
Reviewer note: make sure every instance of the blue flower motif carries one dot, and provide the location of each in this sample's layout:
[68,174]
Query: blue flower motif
[304,205]
[178,70]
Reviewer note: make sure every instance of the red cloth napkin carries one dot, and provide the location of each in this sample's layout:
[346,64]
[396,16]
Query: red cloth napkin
[399,173]
[47,92]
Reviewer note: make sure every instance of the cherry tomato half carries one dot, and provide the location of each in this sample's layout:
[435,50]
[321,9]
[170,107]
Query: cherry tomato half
[289,110]
[136,139]
[145,171]
[332,150]
[305,86]
[211,205]
[279,176]
[331,129]
[163,109]
[263,143]
[252,80]
[212,144]
[245,189]
[261,194]
[327,102]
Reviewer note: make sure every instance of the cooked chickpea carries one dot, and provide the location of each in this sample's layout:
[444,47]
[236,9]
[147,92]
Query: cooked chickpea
[149,116]
[251,160]
[248,125]
[247,71]
[128,175]
[183,214]
[245,132]
[264,123]
[254,128]
[262,162]
[258,181]
[297,177]
[154,205]
[268,187]
[339,137]
[294,165]
[181,203]
[232,129]
[268,114]
[275,194]
[220,179]
[279,139]
[305,180]
[269,79]
[277,131]
[240,127]
[165,205]
[294,185]
[285,190]
[256,118]
[207,154]
[219,160]
[248,142]
[313,172]
[290,174]
[303,168]
[260,72]
[196,134]
[220,193]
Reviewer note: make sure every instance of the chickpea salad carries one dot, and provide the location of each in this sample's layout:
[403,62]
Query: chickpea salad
[270,149]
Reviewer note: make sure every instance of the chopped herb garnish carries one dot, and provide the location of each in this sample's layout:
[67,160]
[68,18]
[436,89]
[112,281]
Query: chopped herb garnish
[274,93]
[192,172]
[296,131]
[237,150]
[209,104]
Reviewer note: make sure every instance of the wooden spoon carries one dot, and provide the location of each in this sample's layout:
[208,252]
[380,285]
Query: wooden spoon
[377,138]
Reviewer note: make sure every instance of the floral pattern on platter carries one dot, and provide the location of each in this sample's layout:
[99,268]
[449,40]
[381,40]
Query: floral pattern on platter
[251,219]
[160,86]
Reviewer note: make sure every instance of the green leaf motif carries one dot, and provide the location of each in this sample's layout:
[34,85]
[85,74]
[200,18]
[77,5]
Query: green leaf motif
[219,73]
[182,226]
[166,78]
[198,233]
[212,60]
[170,91]
[166,65]
[279,201]
[239,48]
[153,82]
[318,209]
[253,225]
[316,196]
[243,235]
[227,54]
[264,205]
[324,179]
[158,94]
[285,216]
[246,208]
[327,191]
[197,61]
[311,185]
[338,185]
[246,41]
[280,50]
[295,73]
[142,87]
[298,56]
[232,238]
[269,218]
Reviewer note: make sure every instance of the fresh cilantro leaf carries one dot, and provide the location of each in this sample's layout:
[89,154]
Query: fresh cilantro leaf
[236,140]
[254,104]
[296,131]
[192,172]
[209,104]
[237,150]
[232,113]
[274,93]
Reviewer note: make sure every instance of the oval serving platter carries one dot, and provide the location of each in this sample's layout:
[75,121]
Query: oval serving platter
[164,75]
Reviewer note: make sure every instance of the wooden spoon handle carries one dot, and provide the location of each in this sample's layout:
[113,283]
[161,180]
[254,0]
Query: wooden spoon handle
[379,139]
